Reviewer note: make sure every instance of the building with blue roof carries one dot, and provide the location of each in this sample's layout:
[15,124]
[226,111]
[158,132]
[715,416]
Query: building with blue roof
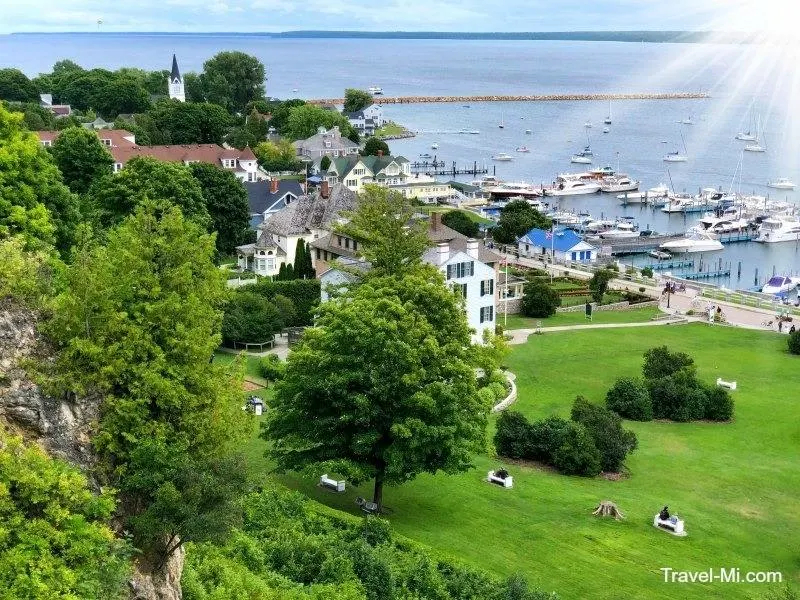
[563,245]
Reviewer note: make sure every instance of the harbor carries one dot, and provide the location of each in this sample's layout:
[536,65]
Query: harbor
[381,99]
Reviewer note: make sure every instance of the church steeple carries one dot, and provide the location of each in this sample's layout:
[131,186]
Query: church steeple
[175,82]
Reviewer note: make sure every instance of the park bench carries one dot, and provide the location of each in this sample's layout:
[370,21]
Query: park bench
[673,525]
[731,385]
[506,482]
[367,507]
[331,484]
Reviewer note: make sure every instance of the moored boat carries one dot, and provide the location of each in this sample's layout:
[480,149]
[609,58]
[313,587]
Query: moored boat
[693,242]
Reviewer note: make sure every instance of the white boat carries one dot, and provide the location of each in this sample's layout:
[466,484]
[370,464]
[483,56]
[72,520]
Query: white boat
[757,146]
[375,90]
[528,131]
[501,125]
[659,191]
[603,172]
[572,187]
[622,230]
[779,285]
[588,124]
[473,131]
[606,129]
[623,183]
[746,136]
[675,157]
[598,225]
[686,121]
[779,228]
[730,225]
[434,146]
[607,120]
[693,242]
[781,183]
[503,157]
[523,149]
[659,254]
[564,218]
[581,158]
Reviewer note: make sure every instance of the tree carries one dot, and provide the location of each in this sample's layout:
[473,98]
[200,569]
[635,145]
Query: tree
[660,362]
[249,317]
[81,158]
[324,163]
[605,427]
[598,284]
[277,156]
[577,454]
[647,272]
[37,118]
[512,438]
[404,400]
[516,219]
[355,100]
[118,196]
[304,121]
[388,236]
[375,147]
[281,112]
[136,323]
[794,342]
[16,87]
[630,399]
[232,79]
[227,205]
[539,300]
[460,221]
[34,203]
[120,95]
[302,261]
[56,541]
[175,122]
[253,131]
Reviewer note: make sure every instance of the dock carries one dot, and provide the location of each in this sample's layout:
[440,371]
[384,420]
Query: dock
[438,167]
[639,245]
[671,265]
[738,236]
[522,98]
[707,274]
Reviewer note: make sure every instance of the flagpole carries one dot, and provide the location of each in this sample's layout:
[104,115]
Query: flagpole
[552,252]
[505,300]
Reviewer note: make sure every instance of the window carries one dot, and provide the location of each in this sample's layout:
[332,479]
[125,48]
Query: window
[339,240]
[106,141]
[487,287]
[317,253]
[463,287]
[351,182]
[346,242]
[359,171]
[487,314]
[47,143]
[260,266]
[270,264]
[117,167]
[463,269]
[355,245]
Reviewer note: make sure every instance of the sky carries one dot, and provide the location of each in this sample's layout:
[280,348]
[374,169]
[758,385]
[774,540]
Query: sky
[390,15]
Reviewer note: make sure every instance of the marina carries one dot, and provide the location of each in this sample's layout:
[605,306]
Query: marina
[383,99]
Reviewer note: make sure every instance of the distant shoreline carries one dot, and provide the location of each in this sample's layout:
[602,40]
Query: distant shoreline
[522,98]
[586,36]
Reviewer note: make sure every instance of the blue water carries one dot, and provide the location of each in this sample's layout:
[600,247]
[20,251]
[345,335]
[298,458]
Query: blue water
[736,77]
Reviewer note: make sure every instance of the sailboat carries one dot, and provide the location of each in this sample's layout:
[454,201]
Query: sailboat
[756,145]
[501,125]
[607,120]
[747,136]
[677,156]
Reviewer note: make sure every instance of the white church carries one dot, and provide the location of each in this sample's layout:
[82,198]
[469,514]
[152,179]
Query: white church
[175,82]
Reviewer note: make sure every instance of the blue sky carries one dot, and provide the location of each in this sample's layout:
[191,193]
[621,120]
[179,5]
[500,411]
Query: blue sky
[393,15]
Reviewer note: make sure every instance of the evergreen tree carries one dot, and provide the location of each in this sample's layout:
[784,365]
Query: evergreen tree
[299,258]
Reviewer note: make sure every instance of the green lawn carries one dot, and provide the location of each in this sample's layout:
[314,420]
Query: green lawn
[735,484]
[390,128]
[443,209]
[635,315]
[251,363]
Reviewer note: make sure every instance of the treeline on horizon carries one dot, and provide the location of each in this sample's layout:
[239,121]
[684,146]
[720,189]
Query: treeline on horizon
[587,36]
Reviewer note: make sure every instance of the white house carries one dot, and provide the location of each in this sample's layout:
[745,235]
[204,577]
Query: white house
[357,171]
[326,142]
[366,120]
[562,245]
[175,82]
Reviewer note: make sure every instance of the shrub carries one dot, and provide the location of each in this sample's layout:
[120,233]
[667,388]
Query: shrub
[794,342]
[303,293]
[545,438]
[605,427]
[498,390]
[646,272]
[630,398]
[460,221]
[286,309]
[249,317]
[272,367]
[598,284]
[719,404]
[673,397]
[577,454]
[660,362]
[539,300]
[486,397]
[513,434]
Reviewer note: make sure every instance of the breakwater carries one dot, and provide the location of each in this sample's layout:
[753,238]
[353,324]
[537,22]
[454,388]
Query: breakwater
[526,98]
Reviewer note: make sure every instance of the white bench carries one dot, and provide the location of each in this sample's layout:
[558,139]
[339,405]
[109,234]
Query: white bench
[331,484]
[506,483]
[731,385]
[675,527]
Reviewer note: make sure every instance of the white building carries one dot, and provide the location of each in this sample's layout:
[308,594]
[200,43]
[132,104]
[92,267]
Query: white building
[175,82]
[367,120]
[561,245]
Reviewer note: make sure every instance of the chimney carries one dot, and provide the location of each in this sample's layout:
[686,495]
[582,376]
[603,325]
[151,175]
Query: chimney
[443,249]
[472,248]
[436,220]
[273,185]
[380,152]
[324,189]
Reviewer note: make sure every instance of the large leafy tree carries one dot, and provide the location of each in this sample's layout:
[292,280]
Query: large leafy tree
[383,224]
[226,203]
[383,387]
[232,79]
[81,158]
[516,219]
[375,147]
[55,540]
[34,202]
[598,284]
[277,156]
[355,100]
[114,198]
[281,112]
[249,317]
[460,221]
[174,122]
[137,322]
[15,86]
[304,120]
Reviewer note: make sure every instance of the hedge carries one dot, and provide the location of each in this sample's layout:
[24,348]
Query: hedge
[304,294]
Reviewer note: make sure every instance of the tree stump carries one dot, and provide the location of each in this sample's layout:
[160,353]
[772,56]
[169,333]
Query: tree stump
[608,509]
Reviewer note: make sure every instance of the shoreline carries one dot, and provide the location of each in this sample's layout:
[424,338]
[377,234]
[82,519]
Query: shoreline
[524,98]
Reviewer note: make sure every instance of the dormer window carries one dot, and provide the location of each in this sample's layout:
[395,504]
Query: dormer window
[106,141]
[229,163]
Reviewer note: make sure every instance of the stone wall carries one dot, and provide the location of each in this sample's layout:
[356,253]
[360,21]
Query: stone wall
[615,306]
[513,306]
[512,395]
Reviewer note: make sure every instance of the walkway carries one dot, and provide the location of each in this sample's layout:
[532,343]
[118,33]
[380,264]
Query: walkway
[520,336]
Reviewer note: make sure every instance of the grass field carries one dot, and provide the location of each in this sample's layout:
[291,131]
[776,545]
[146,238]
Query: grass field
[443,209]
[735,484]
[635,315]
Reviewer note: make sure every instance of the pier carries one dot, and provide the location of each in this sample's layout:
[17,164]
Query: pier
[438,167]
[707,274]
[671,265]
[523,98]
[640,245]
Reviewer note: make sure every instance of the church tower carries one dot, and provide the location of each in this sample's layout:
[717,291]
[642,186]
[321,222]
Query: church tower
[175,82]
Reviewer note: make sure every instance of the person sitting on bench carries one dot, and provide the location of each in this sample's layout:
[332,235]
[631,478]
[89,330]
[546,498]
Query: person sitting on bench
[664,514]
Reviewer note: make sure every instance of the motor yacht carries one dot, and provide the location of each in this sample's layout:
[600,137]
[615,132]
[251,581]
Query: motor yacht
[781,183]
[622,183]
[528,131]
[503,157]
[581,159]
[622,230]
[603,172]
[659,254]
[693,242]
[572,187]
[434,146]
[779,228]
[780,284]
[606,129]
[675,157]
[523,149]
[563,217]
[375,90]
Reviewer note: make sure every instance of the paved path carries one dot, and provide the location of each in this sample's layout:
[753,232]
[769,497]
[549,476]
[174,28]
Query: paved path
[520,336]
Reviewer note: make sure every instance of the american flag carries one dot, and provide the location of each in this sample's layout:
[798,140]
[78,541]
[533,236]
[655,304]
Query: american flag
[548,234]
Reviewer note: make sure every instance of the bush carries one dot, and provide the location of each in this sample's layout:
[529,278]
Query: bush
[605,427]
[486,397]
[545,438]
[646,272]
[660,362]
[249,317]
[539,300]
[286,309]
[674,397]
[460,222]
[498,390]
[272,367]
[630,399]
[598,284]
[794,342]
[303,293]
[719,404]
[577,454]
[513,434]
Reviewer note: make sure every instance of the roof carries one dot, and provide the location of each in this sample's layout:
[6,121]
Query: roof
[563,239]
[376,164]
[311,212]
[326,243]
[261,199]
[118,137]
[438,232]
[265,241]
[207,153]
[175,73]
[332,135]
[463,187]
